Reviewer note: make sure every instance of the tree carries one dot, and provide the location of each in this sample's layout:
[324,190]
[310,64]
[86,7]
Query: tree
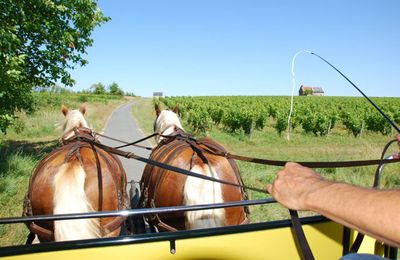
[98,88]
[115,89]
[308,92]
[40,43]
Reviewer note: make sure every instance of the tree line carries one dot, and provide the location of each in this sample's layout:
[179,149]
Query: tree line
[112,89]
[41,42]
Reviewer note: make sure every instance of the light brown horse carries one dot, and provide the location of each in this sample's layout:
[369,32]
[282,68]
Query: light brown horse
[78,177]
[160,187]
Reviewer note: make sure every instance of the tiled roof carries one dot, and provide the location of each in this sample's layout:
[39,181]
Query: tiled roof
[317,90]
[314,89]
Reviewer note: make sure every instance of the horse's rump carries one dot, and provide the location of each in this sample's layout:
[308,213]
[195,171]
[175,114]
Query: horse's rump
[101,172]
[161,188]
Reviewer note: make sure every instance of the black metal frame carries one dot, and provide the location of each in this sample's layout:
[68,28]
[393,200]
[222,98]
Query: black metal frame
[153,237]
[135,212]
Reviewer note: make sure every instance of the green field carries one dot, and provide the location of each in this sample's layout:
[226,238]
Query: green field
[266,142]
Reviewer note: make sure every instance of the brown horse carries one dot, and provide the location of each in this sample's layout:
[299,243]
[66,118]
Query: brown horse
[78,177]
[160,187]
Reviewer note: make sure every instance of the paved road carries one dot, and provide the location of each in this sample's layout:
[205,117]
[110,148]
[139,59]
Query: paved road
[122,126]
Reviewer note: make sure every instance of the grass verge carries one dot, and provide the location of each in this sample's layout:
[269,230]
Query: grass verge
[144,115]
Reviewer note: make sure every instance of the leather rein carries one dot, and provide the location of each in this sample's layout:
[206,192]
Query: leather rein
[212,150]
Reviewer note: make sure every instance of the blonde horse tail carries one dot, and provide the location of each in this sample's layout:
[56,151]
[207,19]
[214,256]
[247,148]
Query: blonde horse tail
[200,191]
[70,197]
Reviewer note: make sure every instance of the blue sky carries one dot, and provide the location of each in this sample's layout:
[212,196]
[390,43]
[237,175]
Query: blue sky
[245,47]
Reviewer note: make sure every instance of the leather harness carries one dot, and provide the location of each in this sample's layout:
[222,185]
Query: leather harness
[176,142]
[83,137]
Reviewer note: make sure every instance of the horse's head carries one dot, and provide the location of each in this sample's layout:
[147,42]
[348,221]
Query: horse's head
[166,122]
[73,118]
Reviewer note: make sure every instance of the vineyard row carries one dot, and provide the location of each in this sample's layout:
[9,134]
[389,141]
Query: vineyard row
[317,115]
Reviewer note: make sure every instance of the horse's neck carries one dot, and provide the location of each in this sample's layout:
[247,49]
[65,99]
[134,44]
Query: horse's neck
[68,134]
[76,131]
[170,130]
[75,120]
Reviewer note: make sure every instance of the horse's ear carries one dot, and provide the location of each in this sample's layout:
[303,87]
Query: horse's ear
[176,109]
[64,110]
[83,108]
[157,108]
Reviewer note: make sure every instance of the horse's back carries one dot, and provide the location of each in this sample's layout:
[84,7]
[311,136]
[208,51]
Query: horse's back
[102,171]
[161,187]
[227,170]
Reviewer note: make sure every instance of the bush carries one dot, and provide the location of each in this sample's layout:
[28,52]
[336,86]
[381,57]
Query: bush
[199,120]
[236,119]
[353,123]
[19,126]
[281,123]
[83,98]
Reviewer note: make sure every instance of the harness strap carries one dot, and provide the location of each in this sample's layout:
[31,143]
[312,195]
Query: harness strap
[48,234]
[79,133]
[159,180]
[99,179]
[216,146]
[114,169]
[130,144]
[45,233]
[166,226]
[335,164]
[30,238]
[147,178]
[246,220]
[27,208]
[340,164]
[113,225]
[300,236]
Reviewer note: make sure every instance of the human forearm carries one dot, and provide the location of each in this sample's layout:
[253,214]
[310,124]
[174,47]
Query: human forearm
[373,212]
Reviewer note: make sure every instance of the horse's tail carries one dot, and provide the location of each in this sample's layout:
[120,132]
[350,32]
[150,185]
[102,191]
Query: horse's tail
[200,191]
[70,197]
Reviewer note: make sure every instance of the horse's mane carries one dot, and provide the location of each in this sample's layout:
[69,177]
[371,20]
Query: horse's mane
[167,119]
[73,118]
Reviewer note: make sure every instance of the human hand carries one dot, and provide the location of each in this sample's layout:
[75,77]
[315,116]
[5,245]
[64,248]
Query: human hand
[294,184]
